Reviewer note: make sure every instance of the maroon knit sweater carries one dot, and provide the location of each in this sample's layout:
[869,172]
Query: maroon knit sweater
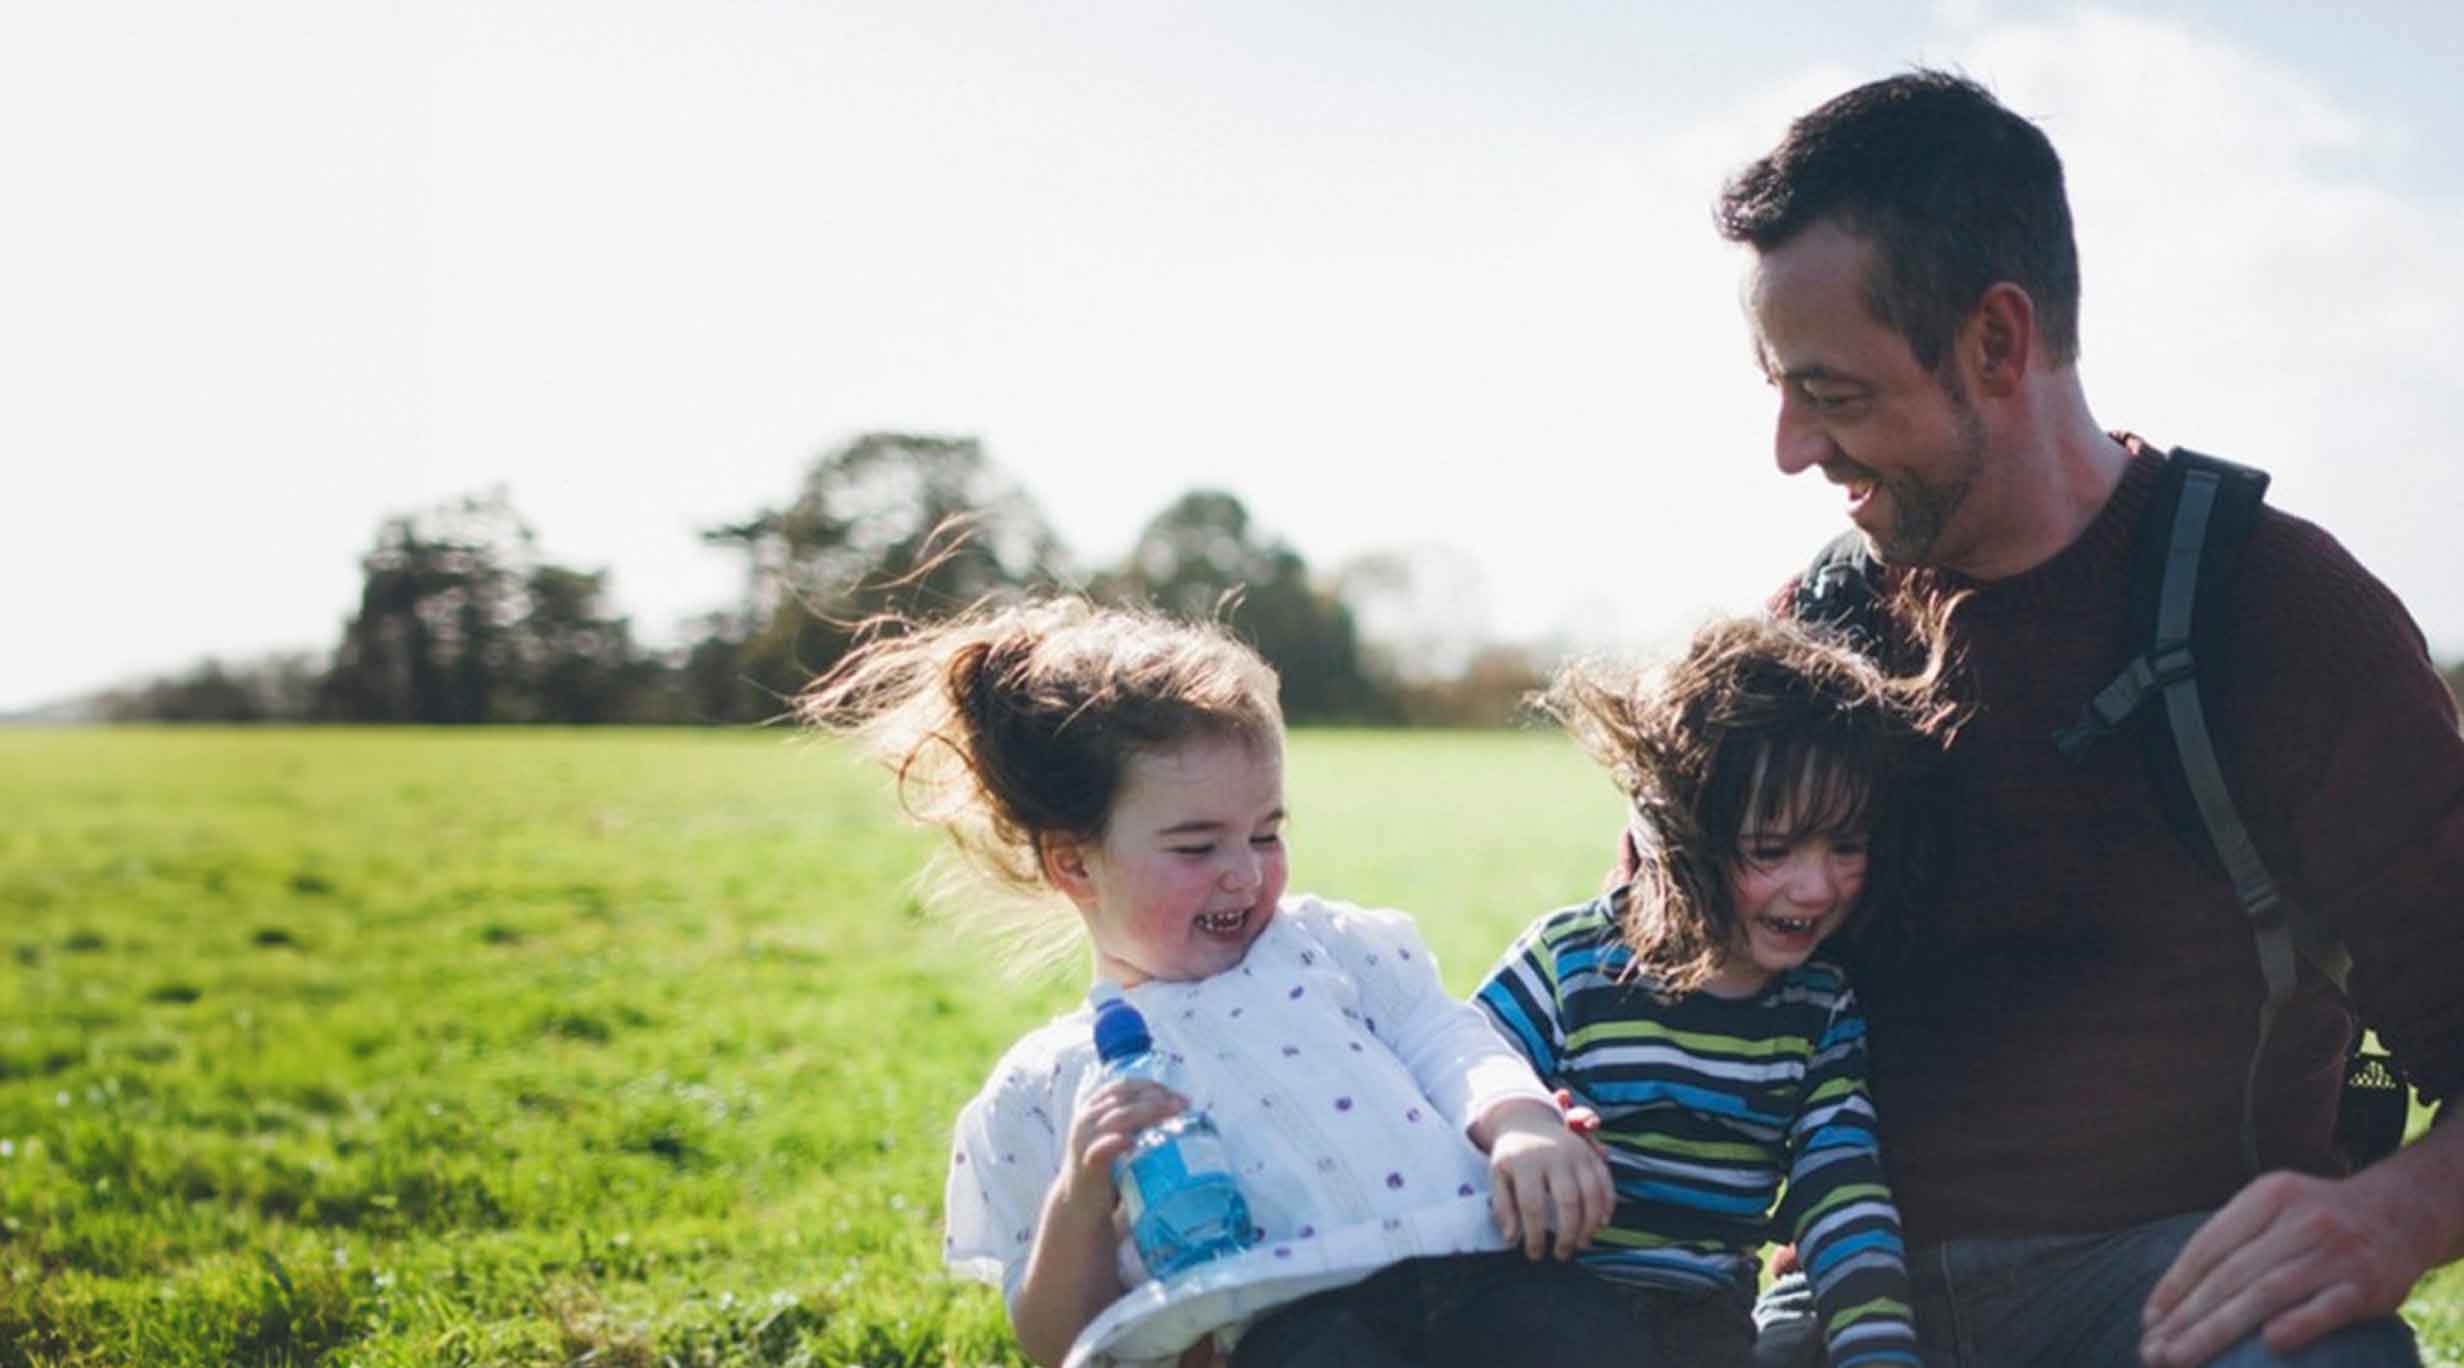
[2060,1044]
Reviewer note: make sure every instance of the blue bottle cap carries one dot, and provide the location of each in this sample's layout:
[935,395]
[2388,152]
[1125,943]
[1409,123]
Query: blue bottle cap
[1119,1031]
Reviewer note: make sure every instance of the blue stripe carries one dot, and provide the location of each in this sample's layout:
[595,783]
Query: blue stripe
[1856,1244]
[1702,1199]
[1708,1100]
[1501,1005]
[1837,1136]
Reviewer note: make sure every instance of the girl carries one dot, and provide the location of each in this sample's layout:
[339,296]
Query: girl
[1770,805]
[1133,766]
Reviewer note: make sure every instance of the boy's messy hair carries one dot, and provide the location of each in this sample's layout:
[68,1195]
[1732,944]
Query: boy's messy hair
[1762,725]
[1010,725]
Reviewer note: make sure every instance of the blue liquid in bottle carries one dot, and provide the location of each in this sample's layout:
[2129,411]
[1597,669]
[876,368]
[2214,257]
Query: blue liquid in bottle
[1177,1191]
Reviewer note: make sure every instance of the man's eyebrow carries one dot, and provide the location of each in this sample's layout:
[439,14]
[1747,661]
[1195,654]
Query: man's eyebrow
[1798,375]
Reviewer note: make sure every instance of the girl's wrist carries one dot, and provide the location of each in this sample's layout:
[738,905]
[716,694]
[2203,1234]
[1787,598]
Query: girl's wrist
[1514,1114]
[1081,1205]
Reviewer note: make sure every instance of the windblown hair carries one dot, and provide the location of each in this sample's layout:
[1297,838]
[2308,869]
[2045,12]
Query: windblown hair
[1762,726]
[1009,725]
[1954,191]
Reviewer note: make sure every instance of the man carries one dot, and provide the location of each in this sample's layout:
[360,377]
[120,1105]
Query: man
[2060,1044]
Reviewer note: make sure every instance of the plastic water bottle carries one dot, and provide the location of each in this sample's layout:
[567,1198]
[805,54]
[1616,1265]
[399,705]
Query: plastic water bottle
[1183,1205]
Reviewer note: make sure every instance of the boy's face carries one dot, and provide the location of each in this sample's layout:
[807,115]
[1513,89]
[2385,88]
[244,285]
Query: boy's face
[1191,864]
[1790,889]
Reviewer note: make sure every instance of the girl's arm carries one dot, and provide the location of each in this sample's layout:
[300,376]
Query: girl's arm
[1071,1275]
[1458,1059]
[1548,1188]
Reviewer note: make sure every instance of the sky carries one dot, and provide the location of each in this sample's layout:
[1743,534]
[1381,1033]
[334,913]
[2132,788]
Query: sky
[1432,278]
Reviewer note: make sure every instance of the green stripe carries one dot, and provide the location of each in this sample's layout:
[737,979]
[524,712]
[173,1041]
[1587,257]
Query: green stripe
[1630,1030]
[1879,1306]
[1841,1196]
[1658,1142]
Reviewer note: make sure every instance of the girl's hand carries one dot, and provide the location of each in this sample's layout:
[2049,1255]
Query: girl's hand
[1583,1121]
[1548,1188]
[1109,1118]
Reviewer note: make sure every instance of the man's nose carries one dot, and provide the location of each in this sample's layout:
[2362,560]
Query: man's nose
[1798,443]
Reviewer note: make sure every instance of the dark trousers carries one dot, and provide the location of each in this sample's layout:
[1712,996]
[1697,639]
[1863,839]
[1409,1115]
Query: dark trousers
[2062,1301]
[1484,1310]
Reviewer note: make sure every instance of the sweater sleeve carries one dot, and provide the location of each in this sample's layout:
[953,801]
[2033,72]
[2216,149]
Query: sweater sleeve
[1447,1044]
[1838,1208]
[2355,771]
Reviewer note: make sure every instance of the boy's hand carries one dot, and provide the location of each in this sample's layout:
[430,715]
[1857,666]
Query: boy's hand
[1544,1179]
[1109,1118]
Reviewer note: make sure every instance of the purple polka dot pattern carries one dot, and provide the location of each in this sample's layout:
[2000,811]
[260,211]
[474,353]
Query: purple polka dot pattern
[1291,1051]
[1463,1191]
[1411,1114]
[1394,1180]
[1343,1104]
[1294,994]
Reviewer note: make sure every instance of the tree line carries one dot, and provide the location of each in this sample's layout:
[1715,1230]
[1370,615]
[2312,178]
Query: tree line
[462,620]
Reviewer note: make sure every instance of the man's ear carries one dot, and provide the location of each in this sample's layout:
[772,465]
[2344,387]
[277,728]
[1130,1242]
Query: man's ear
[1999,339]
[1064,859]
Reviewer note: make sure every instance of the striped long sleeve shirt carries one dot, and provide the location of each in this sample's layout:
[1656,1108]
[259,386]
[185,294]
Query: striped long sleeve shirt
[1730,1122]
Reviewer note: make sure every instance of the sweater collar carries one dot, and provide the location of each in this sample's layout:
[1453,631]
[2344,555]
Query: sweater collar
[2083,572]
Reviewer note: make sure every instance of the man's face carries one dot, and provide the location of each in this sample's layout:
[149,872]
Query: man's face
[1900,439]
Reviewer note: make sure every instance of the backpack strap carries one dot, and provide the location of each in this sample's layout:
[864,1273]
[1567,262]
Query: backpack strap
[2188,547]
[1839,591]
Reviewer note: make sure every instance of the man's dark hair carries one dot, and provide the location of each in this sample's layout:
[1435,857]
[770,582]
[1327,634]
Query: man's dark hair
[1954,191]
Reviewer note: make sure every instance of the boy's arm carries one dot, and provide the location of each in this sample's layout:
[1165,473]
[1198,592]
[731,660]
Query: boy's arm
[1838,1208]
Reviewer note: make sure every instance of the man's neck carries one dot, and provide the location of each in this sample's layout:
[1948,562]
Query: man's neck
[2054,475]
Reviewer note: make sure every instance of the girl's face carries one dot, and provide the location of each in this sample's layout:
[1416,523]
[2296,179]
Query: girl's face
[1191,863]
[1790,889]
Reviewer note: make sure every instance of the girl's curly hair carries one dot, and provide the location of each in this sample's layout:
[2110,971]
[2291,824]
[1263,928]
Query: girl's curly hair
[1761,725]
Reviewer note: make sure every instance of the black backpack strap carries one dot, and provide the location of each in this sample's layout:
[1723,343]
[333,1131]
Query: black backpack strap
[2187,550]
[1840,590]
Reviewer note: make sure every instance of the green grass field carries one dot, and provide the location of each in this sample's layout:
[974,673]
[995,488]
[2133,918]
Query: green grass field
[618,1047]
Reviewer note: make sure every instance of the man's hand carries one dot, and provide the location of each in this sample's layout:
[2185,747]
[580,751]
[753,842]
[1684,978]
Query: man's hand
[2298,1257]
[1543,1177]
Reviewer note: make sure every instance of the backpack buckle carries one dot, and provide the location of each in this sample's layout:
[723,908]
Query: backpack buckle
[2169,664]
